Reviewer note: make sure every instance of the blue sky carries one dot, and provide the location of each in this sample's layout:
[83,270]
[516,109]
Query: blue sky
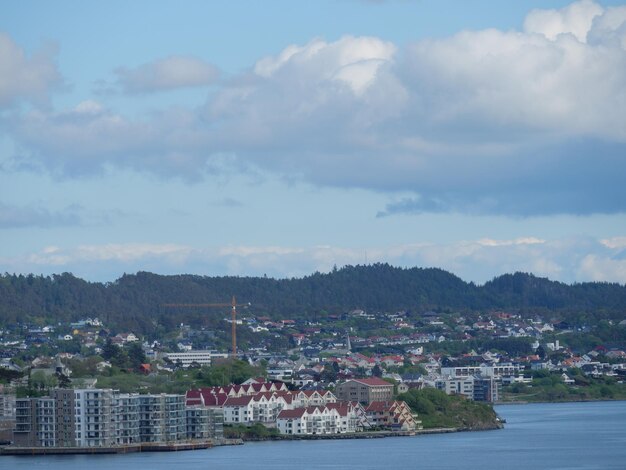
[281,138]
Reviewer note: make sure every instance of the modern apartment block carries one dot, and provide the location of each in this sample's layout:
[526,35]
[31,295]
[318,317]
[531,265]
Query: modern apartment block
[35,422]
[94,421]
[204,423]
[474,387]
[105,418]
[162,418]
[125,418]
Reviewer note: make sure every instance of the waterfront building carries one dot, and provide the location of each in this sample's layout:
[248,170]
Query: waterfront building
[125,418]
[365,391]
[476,387]
[204,423]
[162,418]
[93,423]
[308,421]
[395,415]
[105,418]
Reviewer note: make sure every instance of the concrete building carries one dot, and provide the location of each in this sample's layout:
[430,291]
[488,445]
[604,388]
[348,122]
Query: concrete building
[104,418]
[94,424]
[162,418]
[35,423]
[365,391]
[125,418]
[204,423]
[186,359]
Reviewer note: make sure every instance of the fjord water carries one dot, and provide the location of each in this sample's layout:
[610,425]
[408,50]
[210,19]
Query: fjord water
[537,436]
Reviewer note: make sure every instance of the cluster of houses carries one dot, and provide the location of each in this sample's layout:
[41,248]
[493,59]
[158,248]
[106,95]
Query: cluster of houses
[106,418]
[356,405]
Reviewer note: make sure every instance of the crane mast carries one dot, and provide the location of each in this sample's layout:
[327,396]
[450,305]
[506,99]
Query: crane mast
[233,305]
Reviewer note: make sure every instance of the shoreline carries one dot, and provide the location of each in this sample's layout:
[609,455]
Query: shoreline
[370,434]
[530,402]
[126,449]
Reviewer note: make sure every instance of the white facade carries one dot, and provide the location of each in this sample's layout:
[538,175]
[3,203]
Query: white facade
[93,423]
[185,359]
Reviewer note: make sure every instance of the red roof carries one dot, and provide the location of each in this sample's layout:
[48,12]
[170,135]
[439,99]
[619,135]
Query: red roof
[373,381]
[297,413]
[238,401]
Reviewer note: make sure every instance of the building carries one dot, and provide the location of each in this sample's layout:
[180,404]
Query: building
[456,386]
[204,423]
[201,358]
[125,418]
[486,389]
[475,387]
[308,421]
[394,415]
[93,420]
[162,418]
[333,418]
[104,418]
[34,422]
[365,391]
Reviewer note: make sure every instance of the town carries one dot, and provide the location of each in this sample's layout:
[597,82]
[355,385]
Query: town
[84,385]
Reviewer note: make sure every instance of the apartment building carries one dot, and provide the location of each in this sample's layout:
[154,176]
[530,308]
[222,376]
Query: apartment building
[365,391]
[93,417]
[162,418]
[204,423]
[35,423]
[104,418]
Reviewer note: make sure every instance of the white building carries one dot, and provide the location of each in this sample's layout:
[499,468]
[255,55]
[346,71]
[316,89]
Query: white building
[185,359]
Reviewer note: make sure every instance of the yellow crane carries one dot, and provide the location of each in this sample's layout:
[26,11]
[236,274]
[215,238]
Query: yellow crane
[233,304]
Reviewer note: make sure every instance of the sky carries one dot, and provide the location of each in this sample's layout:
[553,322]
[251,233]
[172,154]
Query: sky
[282,138]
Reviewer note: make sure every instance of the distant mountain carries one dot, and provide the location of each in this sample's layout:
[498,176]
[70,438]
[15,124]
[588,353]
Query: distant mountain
[136,301]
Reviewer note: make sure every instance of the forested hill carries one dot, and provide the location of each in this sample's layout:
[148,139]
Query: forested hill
[136,301]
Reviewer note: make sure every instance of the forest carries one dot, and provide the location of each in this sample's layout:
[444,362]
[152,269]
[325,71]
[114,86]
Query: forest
[137,301]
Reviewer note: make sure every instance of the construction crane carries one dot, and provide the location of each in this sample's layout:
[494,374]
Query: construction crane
[233,304]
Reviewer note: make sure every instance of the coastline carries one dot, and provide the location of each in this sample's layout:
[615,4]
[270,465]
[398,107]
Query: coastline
[372,434]
[531,402]
[127,449]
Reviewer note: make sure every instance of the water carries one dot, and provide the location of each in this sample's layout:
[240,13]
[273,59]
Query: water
[569,436]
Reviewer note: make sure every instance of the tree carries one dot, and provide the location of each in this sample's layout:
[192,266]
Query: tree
[377,371]
[136,355]
[109,350]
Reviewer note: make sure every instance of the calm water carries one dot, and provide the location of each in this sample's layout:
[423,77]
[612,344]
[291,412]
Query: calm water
[541,436]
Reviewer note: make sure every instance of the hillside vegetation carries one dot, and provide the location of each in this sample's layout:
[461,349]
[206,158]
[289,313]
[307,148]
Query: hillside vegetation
[135,302]
[437,410]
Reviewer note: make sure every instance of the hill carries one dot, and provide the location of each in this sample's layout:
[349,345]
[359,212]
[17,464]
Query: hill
[135,301]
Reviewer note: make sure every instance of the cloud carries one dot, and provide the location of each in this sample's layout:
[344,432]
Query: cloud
[575,19]
[26,78]
[167,74]
[598,268]
[12,216]
[568,260]
[515,123]
[85,139]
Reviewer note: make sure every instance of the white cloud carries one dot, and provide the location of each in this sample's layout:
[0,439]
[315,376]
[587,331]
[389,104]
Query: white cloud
[568,260]
[23,77]
[123,253]
[603,268]
[482,122]
[614,242]
[575,19]
[166,74]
